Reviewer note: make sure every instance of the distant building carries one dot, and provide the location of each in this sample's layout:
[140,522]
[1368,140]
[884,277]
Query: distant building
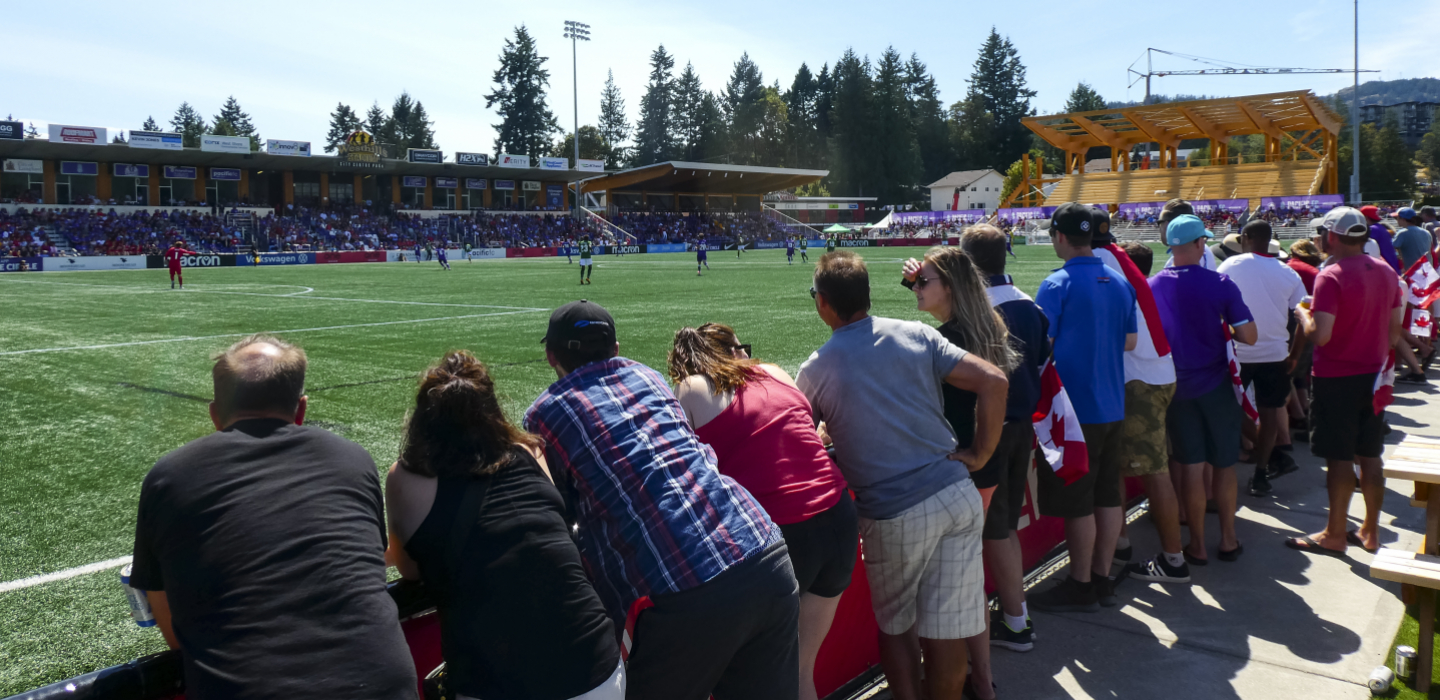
[1414,117]
[977,189]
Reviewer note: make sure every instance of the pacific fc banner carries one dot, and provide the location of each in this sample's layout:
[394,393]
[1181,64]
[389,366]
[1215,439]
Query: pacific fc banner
[1140,210]
[1316,203]
[1206,207]
[1016,215]
[966,216]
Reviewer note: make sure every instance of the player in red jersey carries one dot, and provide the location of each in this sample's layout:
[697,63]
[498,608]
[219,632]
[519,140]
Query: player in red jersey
[172,260]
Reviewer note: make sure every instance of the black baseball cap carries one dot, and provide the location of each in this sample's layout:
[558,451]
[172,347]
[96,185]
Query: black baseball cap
[1073,219]
[1100,227]
[580,325]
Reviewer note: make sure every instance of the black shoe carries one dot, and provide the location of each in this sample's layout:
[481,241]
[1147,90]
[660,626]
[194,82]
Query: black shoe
[1413,378]
[1123,556]
[1002,636]
[1105,589]
[1158,570]
[1429,360]
[1260,485]
[1069,596]
[1280,465]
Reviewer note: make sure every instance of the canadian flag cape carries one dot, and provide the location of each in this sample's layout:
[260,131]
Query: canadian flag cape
[1385,386]
[1144,298]
[1244,393]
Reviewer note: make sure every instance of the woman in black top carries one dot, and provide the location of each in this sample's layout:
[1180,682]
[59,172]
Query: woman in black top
[473,513]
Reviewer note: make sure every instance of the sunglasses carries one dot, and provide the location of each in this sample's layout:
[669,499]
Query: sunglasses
[746,349]
[922,280]
[813,292]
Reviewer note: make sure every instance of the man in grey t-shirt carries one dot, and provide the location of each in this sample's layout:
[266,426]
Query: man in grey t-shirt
[876,385]
[1412,242]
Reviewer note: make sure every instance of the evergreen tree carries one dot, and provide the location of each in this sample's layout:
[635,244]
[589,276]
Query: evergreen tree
[31,133]
[614,125]
[418,133]
[898,157]
[1345,142]
[189,124]
[800,103]
[772,131]
[972,127]
[343,122]
[999,80]
[1429,152]
[654,135]
[741,101]
[1084,99]
[222,128]
[149,125]
[853,128]
[240,122]
[928,118]
[714,140]
[592,144]
[824,101]
[1387,167]
[688,117]
[397,125]
[520,82]
[119,137]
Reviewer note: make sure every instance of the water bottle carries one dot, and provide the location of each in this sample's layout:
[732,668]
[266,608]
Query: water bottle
[139,604]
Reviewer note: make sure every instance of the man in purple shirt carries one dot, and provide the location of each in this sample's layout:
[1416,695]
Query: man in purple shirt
[1197,306]
[658,523]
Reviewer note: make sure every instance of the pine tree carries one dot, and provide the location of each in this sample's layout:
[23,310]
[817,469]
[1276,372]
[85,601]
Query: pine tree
[688,116]
[149,125]
[222,128]
[1387,168]
[592,144]
[800,103]
[972,127]
[417,128]
[239,121]
[189,124]
[31,133]
[1084,99]
[614,125]
[520,82]
[713,144]
[853,125]
[741,101]
[397,126]
[999,79]
[1429,151]
[772,133]
[119,137]
[898,156]
[824,101]
[927,116]
[343,122]
[654,136]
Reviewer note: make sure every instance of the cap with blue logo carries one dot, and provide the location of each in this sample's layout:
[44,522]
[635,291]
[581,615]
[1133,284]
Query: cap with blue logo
[1407,214]
[580,325]
[1186,228]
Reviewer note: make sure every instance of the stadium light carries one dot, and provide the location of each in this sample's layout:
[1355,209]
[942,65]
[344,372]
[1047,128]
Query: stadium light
[576,32]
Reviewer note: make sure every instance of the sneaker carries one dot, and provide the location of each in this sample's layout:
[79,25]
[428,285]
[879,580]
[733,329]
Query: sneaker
[1280,465]
[1260,486]
[1002,636]
[1069,596]
[1413,378]
[1105,589]
[1123,556]
[1158,570]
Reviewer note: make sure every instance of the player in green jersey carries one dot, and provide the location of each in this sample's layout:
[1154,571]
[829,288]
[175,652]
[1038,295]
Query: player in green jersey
[586,264]
[830,243]
[804,246]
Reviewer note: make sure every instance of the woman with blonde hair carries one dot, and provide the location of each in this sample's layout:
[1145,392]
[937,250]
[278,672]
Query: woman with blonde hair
[761,428]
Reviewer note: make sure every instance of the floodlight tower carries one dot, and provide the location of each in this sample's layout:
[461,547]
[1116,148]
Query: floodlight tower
[576,32]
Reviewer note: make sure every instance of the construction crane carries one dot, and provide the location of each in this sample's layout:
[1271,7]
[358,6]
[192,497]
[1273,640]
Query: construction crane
[1220,68]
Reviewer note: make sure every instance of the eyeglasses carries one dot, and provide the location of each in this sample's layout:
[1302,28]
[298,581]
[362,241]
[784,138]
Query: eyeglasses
[745,349]
[922,280]
[813,292]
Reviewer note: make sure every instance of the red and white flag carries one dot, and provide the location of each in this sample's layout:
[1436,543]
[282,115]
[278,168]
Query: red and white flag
[1422,323]
[1244,393]
[1385,385]
[1423,281]
[1057,429]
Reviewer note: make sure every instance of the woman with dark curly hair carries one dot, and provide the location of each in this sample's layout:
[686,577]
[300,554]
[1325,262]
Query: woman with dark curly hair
[474,514]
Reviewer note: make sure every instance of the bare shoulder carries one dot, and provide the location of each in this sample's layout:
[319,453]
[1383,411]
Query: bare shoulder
[778,373]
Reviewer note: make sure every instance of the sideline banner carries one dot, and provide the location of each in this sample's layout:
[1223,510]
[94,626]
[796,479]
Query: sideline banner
[30,264]
[529,252]
[1140,210]
[857,243]
[1216,206]
[350,256]
[95,262]
[1315,203]
[612,249]
[1015,215]
[763,245]
[203,260]
[908,242]
[277,259]
[666,248]
[934,217]
[475,254]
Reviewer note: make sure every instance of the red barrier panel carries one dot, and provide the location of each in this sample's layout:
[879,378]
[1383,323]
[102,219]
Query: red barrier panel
[529,252]
[891,242]
[327,258]
[359,256]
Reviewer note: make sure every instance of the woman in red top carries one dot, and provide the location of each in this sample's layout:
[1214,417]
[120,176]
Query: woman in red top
[763,433]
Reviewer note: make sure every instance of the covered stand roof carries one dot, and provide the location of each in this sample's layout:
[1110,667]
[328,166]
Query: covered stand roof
[680,177]
[1171,122]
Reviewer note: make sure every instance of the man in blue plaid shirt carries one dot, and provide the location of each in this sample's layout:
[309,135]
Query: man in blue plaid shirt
[659,525]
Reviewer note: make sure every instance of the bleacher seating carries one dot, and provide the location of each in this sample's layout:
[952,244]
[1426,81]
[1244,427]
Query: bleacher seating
[1248,181]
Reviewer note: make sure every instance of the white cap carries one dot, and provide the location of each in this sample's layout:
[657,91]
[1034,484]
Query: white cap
[1347,222]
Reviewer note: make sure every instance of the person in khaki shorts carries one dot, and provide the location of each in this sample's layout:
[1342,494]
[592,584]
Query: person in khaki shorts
[1149,388]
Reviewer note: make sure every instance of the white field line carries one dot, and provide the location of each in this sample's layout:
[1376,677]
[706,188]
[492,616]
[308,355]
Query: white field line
[295,295]
[186,339]
[18,584]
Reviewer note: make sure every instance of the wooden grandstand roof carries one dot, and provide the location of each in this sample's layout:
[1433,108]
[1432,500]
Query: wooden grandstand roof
[1171,122]
[702,178]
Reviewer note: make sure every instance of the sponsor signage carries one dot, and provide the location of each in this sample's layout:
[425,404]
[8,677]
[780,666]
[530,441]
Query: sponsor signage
[277,259]
[12,130]
[548,163]
[508,161]
[412,181]
[1018,214]
[359,150]
[472,158]
[23,165]
[554,195]
[224,144]
[156,139]
[180,172]
[504,184]
[476,183]
[619,249]
[586,165]
[131,170]
[932,217]
[1140,210]
[813,206]
[1315,203]
[447,183]
[60,133]
[279,147]
[230,174]
[858,243]
[202,260]
[530,185]
[424,155]
[76,167]
[763,245]
[1219,206]
[666,248]
[96,262]
[34,264]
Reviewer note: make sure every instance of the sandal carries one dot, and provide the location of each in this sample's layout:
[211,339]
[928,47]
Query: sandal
[1194,561]
[1308,544]
[1233,554]
[1353,537]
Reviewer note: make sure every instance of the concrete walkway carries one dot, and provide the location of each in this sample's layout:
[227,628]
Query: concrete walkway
[1277,623]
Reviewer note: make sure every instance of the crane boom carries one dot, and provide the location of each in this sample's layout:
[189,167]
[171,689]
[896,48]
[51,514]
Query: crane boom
[1219,69]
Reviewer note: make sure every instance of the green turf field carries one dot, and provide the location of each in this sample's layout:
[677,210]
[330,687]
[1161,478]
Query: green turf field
[103,372]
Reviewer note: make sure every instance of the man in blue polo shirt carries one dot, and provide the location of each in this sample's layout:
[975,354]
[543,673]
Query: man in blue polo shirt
[1091,309]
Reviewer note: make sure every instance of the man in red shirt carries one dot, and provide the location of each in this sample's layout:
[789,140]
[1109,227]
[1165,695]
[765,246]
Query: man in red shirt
[172,260]
[1354,321]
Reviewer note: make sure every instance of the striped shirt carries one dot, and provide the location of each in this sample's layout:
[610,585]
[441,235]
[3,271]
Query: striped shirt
[655,516]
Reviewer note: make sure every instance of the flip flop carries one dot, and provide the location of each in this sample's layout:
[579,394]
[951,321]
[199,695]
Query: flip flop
[1308,544]
[1353,537]
[1194,561]
[1232,554]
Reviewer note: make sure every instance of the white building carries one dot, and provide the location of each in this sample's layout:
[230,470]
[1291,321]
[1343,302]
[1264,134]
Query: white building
[978,189]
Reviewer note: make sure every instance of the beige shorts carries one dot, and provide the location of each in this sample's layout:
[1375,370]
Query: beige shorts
[925,568]
[1143,446]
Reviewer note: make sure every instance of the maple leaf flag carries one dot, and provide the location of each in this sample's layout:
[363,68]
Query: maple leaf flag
[1244,393]
[1385,385]
[1421,323]
[1057,429]
[1423,281]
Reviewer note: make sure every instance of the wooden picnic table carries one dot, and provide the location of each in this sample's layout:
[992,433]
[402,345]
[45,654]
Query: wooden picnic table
[1417,459]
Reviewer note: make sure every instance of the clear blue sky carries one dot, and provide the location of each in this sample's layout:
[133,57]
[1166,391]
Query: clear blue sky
[113,64]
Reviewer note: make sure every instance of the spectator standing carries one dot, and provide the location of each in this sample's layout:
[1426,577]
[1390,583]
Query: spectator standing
[262,546]
[1380,233]
[1091,310]
[1305,261]
[474,514]
[1204,420]
[1353,321]
[761,428]
[1179,207]
[876,385]
[1412,242]
[1428,219]
[659,526]
[1271,290]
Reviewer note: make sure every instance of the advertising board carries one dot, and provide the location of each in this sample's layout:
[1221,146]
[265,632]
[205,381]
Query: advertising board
[157,139]
[424,155]
[280,147]
[75,167]
[666,248]
[12,131]
[412,181]
[180,172]
[29,264]
[447,183]
[472,158]
[504,184]
[224,144]
[277,259]
[23,165]
[60,133]
[476,183]
[227,174]
[507,160]
[548,163]
[96,262]
[201,260]
[586,165]
[132,170]
[530,185]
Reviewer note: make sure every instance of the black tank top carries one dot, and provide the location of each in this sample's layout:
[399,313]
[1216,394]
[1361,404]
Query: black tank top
[521,620]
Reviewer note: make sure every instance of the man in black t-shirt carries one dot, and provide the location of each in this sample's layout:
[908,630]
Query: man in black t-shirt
[262,547]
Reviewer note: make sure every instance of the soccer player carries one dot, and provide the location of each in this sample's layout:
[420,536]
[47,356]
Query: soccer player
[790,251]
[804,246]
[172,260]
[418,247]
[700,256]
[585,261]
[830,243]
[467,253]
[739,246]
[441,256]
[569,245]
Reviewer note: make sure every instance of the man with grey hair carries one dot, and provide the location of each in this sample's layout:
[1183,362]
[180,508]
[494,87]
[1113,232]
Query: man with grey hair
[262,546]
